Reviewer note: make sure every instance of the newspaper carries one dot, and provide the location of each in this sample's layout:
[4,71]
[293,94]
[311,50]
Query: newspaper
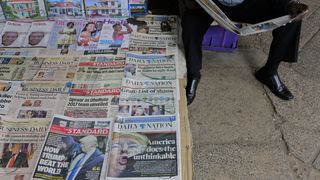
[19,68]
[28,105]
[46,87]
[97,88]
[39,33]
[155,67]
[138,7]
[98,8]
[20,145]
[100,71]
[104,33]
[24,10]
[105,58]
[7,91]
[153,44]
[14,33]
[144,148]
[218,15]
[64,9]
[156,24]
[57,69]
[19,52]
[64,35]
[147,97]
[74,149]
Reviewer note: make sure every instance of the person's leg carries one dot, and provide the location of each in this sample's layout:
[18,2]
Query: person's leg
[194,24]
[285,43]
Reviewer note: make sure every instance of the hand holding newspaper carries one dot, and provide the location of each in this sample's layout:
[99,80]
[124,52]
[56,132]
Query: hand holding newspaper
[218,15]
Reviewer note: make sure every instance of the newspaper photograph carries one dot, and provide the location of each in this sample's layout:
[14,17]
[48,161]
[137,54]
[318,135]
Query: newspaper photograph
[218,15]
[64,35]
[19,68]
[155,24]
[7,90]
[57,69]
[28,105]
[74,149]
[24,10]
[14,33]
[153,67]
[100,71]
[20,145]
[64,9]
[104,33]
[144,148]
[153,44]
[39,33]
[98,8]
[147,97]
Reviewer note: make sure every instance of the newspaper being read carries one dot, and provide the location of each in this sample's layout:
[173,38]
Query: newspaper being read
[57,69]
[98,8]
[155,24]
[7,90]
[218,15]
[14,33]
[93,99]
[20,145]
[74,149]
[104,33]
[156,67]
[64,9]
[39,33]
[19,68]
[100,71]
[147,97]
[145,148]
[153,44]
[28,105]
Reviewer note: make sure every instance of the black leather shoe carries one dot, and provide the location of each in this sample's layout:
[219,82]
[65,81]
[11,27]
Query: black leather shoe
[191,89]
[275,85]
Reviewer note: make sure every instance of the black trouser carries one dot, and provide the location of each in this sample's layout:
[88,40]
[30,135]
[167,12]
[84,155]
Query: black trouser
[284,46]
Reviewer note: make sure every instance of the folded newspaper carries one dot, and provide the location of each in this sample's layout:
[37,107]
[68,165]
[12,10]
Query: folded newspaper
[218,15]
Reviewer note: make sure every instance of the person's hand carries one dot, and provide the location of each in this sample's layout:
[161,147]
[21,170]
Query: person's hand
[297,10]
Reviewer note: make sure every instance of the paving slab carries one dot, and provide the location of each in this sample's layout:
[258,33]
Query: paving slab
[244,162]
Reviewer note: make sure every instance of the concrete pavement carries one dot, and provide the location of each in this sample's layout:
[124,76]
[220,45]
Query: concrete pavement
[241,130]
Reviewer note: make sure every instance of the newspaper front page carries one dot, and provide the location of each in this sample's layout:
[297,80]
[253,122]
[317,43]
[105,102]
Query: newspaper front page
[153,44]
[57,69]
[46,87]
[38,35]
[105,33]
[74,149]
[28,105]
[145,148]
[100,71]
[19,68]
[153,67]
[14,33]
[147,97]
[20,145]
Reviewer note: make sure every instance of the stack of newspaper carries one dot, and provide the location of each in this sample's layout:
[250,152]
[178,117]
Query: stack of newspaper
[103,110]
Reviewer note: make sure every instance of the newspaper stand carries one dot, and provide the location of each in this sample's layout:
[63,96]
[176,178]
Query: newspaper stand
[219,39]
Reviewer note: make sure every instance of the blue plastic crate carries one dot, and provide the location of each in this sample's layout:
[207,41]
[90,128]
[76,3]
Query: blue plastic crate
[219,39]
